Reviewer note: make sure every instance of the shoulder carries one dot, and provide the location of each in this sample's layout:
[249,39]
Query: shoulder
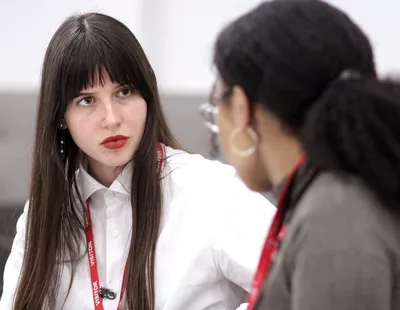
[342,208]
[211,178]
[341,238]
[19,239]
[195,169]
[338,195]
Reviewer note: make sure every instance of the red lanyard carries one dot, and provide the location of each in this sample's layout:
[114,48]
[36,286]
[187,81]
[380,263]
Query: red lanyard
[275,235]
[91,249]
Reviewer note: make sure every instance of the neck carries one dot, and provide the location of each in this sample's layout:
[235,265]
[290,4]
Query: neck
[286,154]
[103,174]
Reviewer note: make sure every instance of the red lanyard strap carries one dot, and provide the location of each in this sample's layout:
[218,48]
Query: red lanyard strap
[94,273]
[275,234]
[91,249]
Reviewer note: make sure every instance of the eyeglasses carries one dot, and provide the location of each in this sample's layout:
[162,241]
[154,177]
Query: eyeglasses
[209,110]
[210,113]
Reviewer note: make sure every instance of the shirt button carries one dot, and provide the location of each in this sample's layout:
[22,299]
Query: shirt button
[115,233]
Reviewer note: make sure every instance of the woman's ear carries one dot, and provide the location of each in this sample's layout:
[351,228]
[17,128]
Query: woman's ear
[62,125]
[240,108]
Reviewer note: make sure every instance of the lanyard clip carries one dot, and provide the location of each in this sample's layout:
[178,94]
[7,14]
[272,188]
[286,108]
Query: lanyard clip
[107,293]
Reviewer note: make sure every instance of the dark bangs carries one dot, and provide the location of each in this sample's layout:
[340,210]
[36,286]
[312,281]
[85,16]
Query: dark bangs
[94,51]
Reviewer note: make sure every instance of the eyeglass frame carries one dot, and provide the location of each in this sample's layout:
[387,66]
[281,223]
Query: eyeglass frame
[210,109]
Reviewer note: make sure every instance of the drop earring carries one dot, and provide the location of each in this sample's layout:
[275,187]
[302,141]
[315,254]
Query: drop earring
[62,139]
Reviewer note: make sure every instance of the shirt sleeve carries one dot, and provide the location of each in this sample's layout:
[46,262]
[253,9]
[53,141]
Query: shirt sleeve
[249,216]
[14,263]
[340,261]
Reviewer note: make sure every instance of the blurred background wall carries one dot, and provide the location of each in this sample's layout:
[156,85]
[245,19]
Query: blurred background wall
[177,36]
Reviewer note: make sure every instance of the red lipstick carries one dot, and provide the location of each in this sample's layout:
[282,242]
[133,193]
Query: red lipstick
[114,142]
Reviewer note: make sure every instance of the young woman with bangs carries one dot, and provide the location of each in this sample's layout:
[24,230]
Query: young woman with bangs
[118,216]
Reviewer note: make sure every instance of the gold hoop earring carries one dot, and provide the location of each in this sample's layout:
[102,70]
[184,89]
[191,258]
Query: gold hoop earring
[248,152]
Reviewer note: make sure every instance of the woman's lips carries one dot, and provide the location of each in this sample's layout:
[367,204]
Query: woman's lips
[114,142]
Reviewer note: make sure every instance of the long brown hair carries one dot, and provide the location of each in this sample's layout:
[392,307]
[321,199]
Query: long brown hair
[80,49]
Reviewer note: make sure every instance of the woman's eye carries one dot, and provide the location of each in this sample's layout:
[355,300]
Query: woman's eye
[125,92]
[86,101]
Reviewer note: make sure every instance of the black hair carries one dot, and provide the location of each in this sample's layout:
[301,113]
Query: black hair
[288,56]
[81,51]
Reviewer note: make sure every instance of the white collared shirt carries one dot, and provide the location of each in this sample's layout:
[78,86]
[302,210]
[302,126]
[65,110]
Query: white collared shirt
[211,235]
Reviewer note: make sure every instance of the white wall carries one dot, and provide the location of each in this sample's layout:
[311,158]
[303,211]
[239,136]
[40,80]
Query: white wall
[28,25]
[191,26]
[188,30]
[177,35]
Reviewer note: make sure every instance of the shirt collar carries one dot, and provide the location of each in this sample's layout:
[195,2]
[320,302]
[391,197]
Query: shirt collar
[90,185]
[122,184]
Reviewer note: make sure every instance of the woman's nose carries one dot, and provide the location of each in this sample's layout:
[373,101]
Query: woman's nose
[111,115]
